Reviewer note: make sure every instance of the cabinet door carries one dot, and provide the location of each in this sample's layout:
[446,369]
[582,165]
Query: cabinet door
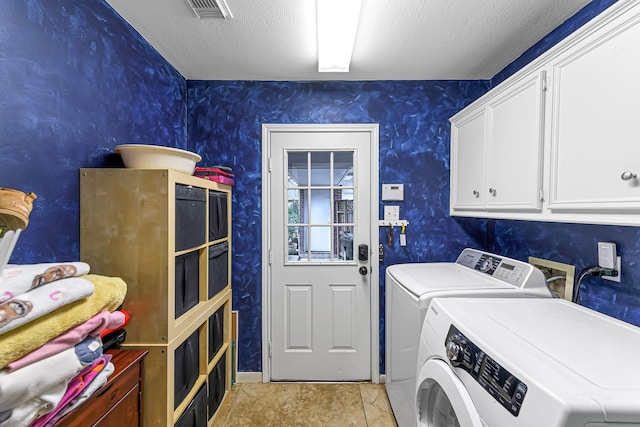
[594,120]
[515,123]
[467,161]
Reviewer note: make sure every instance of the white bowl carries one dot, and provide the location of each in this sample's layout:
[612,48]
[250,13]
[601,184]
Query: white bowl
[140,156]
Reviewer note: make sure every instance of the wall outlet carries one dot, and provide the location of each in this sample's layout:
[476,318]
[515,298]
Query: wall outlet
[392,213]
[616,267]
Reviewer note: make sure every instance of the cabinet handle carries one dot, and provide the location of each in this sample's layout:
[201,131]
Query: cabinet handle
[628,176]
[476,193]
[492,191]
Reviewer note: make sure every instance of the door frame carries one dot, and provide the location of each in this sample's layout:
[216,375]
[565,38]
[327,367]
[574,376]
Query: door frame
[374,288]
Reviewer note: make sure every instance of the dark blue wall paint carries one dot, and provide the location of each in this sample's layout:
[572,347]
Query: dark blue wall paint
[576,244]
[76,80]
[225,121]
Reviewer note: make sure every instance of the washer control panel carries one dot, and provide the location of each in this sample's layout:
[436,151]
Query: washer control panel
[509,270]
[496,380]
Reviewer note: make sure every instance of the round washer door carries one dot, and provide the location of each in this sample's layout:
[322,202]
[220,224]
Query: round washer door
[442,400]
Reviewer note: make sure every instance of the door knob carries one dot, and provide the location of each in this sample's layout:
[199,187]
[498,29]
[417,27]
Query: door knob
[363,270]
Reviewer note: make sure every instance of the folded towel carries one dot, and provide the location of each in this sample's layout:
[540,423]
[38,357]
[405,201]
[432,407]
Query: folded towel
[108,295]
[22,385]
[92,327]
[42,300]
[91,388]
[17,279]
[24,415]
[74,389]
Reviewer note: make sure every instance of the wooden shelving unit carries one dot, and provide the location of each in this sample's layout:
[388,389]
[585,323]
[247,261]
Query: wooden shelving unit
[167,234]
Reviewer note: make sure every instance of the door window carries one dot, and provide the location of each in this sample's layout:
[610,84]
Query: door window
[320,206]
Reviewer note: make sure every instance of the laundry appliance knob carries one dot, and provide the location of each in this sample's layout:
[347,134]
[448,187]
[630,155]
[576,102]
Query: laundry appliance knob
[459,353]
[455,353]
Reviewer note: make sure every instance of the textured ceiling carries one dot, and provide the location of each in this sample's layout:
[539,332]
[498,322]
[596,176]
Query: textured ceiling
[396,39]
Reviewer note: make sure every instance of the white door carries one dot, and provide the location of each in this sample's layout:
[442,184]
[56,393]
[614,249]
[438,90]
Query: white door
[322,196]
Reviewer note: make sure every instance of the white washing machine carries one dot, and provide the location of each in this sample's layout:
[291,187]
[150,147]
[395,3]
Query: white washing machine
[410,288]
[526,363]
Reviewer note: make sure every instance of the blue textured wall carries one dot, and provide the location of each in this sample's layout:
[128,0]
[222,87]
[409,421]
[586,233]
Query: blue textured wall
[225,121]
[76,81]
[576,244]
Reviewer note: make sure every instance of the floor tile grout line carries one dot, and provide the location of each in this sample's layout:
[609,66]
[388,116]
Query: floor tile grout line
[364,411]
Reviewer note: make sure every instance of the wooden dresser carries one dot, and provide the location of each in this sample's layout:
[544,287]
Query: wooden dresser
[119,401]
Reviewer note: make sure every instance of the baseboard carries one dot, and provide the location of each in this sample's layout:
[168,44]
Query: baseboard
[256,377]
[249,377]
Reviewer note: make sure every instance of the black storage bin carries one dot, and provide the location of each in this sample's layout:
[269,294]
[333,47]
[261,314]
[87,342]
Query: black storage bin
[196,413]
[187,282]
[216,332]
[218,268]
[218,215]
[217,381]
[186,368]
[191,210]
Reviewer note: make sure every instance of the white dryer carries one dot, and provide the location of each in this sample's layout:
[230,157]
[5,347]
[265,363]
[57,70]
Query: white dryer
[409,290]
[526,363]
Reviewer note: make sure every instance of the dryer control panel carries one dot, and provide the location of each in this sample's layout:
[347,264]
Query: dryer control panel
[496,380]
[512,271]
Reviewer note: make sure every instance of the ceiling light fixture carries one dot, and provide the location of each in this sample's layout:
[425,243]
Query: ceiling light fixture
[337,26]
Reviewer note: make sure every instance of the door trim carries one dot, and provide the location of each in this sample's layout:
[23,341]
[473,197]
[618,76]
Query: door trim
[373,130]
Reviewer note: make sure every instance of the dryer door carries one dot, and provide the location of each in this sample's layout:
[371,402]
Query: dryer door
[442,400]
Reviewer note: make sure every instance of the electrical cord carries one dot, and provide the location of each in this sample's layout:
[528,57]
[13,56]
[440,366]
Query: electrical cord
[591,271]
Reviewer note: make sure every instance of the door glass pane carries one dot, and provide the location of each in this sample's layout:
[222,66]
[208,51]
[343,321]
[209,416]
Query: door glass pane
[321,169]
[298,169]
[343,211]
[320,206]
[344,248]
[295,206]
[343,169]
[320,243]
[297,243]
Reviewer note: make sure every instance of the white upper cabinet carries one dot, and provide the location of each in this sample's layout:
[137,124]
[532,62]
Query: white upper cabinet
[467,161]
[515,119]
[595,144]
[559,138]
[496,150]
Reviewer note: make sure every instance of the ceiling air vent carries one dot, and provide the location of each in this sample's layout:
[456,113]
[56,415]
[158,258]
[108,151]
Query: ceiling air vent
[206,9]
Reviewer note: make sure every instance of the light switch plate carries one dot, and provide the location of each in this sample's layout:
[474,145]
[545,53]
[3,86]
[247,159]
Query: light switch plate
[392,213]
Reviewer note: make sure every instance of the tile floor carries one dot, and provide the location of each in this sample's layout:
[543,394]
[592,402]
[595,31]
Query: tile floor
[306,405]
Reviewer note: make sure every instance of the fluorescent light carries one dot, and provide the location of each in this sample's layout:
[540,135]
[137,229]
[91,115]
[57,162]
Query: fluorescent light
[337,26]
